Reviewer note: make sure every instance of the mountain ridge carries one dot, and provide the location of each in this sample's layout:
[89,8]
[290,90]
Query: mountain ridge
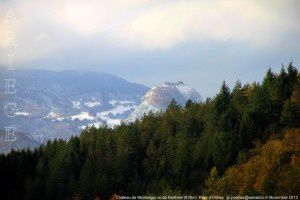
[159,97]
[58,104]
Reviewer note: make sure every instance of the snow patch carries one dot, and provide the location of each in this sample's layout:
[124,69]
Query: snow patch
[185,90]
[92,104]
[120,102]
[115,111]
[54,116]
[96,125]
[82,116]
[76,104]
[113,122]
[22,114]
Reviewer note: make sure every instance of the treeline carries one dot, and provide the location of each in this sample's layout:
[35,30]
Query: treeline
[185,150]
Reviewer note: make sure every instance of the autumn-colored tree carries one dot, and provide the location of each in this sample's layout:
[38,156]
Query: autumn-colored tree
[271,170]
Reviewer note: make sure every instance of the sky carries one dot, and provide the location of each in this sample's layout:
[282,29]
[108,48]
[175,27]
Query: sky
[151,41]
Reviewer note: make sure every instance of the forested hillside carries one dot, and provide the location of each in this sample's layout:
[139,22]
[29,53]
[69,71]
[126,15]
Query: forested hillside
[243,141]
[273,168]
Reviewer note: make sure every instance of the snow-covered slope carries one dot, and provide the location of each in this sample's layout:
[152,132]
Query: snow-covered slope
[159,97]
[54,104]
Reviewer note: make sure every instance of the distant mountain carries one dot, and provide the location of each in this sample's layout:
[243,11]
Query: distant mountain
[159,97]
[54,104]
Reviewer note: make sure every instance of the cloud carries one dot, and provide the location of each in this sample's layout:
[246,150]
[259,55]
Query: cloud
[238,21]
[49,28]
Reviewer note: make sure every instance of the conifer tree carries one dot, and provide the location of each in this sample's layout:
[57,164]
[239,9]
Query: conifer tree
[288,115]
